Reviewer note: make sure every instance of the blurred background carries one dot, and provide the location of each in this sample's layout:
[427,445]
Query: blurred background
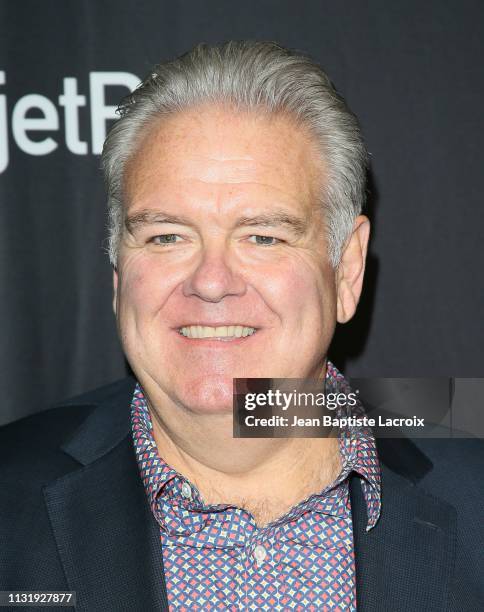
[413,73]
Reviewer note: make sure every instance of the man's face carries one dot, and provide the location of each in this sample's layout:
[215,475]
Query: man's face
[223,229]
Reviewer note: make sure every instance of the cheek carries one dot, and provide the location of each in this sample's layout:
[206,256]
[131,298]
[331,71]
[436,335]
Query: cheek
[141,288]
[305,291]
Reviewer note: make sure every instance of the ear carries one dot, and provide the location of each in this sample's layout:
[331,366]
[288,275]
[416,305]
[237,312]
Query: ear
[115,290]
[351,269]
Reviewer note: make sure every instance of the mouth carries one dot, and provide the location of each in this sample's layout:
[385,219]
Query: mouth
[225,333]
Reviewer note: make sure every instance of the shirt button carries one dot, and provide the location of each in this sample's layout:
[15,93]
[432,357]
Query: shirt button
[260,553]
[186,491]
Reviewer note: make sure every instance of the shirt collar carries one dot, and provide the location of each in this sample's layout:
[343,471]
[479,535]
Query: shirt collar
[358,447]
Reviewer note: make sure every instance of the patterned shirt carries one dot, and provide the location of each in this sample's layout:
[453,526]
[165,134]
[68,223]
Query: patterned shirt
[216,557]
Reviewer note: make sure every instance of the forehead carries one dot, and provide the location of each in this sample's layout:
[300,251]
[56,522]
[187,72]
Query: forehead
[212,149]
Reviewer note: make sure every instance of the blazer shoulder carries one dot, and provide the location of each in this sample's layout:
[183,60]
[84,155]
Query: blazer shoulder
[456,475]
[33,443]
[454,456]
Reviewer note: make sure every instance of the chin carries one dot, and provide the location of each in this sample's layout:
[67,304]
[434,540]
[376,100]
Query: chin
[208,396]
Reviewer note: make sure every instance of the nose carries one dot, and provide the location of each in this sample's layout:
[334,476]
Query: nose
[214,277]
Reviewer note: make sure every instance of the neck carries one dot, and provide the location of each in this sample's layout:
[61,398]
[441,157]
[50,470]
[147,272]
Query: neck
[264,476]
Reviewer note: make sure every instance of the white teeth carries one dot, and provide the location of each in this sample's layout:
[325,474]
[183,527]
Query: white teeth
[224,331]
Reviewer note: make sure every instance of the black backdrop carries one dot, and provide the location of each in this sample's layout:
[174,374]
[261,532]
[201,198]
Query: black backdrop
[411,70]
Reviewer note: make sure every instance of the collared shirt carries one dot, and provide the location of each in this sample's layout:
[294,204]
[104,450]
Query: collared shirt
[216,557]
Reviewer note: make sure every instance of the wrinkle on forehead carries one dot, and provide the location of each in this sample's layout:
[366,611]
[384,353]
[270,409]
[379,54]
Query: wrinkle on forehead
[217,170]
[219,147]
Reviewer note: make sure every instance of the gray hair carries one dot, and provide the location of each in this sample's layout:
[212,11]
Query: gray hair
[260,76]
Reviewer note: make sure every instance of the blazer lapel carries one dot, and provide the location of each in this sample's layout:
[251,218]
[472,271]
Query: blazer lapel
[405,562]
[108,540]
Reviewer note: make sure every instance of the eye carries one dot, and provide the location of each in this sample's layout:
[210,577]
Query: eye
[164,239]
[265,240]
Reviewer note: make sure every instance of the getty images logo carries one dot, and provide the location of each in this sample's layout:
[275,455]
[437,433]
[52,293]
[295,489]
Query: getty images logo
[47,116]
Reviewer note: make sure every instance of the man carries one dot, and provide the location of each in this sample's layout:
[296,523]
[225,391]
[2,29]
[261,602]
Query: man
[236,178]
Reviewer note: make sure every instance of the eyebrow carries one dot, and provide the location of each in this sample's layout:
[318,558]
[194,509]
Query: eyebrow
[274,218]
[149,217]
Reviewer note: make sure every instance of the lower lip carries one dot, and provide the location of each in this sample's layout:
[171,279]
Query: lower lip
[217,342]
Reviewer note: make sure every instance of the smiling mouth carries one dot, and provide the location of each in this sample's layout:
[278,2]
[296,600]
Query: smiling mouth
[224,332]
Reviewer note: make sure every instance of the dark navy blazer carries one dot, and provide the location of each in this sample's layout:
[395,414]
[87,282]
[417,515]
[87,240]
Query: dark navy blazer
[74,516]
